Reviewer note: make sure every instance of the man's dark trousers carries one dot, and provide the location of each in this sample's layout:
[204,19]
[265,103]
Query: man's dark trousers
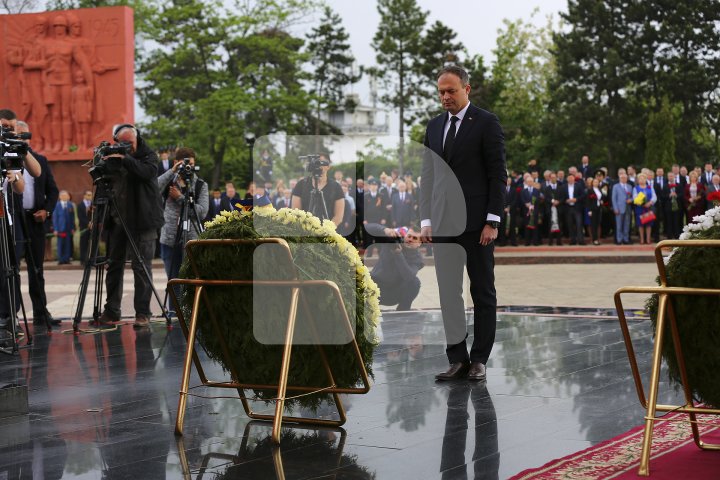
[119,247]
[451,256]
[36,276]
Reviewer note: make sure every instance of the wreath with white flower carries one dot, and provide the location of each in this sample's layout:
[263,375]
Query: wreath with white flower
[697,315]
[336,260]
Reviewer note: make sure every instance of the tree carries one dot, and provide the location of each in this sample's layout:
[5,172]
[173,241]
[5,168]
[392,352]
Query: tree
[660,137]
[331,62]
[219,74]
[397,43]
[521,77]
[616,57]
[437,50]
[18,6]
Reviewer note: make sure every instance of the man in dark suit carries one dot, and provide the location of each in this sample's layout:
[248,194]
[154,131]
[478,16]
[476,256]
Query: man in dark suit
[217,204]
[572,196]
[552,219]
[662,206]
[165,162]
[403,211]
[39,200]
[464,180]
[375,210]
[509,232]
[84,209]
[706,177]
[585,168]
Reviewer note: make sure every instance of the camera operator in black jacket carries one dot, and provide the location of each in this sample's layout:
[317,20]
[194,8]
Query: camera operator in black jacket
[398,264]
[139,203]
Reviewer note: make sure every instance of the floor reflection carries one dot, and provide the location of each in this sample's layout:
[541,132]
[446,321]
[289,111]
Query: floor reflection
[485,461]
[104,406]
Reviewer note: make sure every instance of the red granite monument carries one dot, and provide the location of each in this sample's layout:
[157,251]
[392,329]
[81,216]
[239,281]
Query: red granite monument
[70,75]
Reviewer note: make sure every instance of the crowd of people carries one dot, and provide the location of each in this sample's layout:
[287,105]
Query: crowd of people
[157,191]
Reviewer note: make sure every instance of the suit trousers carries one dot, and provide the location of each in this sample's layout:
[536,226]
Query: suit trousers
[451,255]
[35,236]
[575,224]
[118,248]
[622,226]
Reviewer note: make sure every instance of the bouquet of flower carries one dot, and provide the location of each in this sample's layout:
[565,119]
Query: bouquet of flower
[640,199]
[714,197]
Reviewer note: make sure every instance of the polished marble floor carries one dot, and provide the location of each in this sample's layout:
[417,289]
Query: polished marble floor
[103,407]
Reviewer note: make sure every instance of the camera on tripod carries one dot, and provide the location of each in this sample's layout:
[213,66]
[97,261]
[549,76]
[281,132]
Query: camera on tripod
[187,170]
[13,149]
[107,167]
[314,164]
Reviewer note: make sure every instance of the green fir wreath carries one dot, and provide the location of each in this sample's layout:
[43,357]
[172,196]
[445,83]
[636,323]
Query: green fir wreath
[698,317]
[259,362]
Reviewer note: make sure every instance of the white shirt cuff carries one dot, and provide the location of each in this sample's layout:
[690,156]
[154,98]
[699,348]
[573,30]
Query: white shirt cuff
[425,223]
[493,218]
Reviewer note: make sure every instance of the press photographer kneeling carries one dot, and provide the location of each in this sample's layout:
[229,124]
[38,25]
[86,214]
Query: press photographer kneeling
[186,204]
[398,264]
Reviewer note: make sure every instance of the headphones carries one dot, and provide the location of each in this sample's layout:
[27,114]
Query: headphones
[117,128]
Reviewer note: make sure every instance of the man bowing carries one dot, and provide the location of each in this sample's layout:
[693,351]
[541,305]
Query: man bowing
[465,152]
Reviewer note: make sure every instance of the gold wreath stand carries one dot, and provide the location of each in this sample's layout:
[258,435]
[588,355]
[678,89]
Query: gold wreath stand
[297,298]
[665,311]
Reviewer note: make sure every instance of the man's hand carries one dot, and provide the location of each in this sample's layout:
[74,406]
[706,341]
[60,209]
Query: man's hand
[174,193]
[487,235]
[390,232]
[40,216]
[426,234]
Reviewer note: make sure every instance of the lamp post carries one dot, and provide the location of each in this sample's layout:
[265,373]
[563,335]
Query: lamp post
[250,142]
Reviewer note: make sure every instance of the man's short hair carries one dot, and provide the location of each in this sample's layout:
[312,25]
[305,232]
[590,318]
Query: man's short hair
[7,114]
[22,124]
[185,152]
[457,71]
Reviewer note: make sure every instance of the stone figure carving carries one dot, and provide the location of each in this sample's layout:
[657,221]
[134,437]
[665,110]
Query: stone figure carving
[57,75]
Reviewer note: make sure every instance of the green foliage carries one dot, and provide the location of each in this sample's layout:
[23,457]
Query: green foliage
[660,137]
[259,362]
[521,78]
[220,73]
[398,42]
[697,318]
[438,48]
[331,62]
[618,55]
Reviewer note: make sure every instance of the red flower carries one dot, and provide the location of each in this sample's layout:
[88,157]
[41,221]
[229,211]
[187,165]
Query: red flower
[518,189]
[714,196]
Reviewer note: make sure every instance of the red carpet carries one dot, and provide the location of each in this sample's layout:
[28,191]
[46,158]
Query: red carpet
[674,456]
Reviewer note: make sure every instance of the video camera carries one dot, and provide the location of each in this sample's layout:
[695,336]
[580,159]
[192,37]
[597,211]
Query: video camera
[314,164]
[13,148]
[186,170]
[105,167]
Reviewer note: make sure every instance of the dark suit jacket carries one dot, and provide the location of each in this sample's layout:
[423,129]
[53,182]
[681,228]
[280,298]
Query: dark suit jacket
[703,178]
[578,193]
[45,189]
[663,194]
[476,166]
[403,213]
[214,210]
[551,195]
[82,214]
[161,168]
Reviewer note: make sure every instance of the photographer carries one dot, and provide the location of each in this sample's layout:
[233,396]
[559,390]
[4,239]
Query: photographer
[396,270]
[176,185]
[134,184]
[14,179]
[38,204]
[9,122]
[331,191]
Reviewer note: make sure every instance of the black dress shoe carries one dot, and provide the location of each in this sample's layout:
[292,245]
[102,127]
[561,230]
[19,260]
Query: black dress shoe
[456,371]
[477,371]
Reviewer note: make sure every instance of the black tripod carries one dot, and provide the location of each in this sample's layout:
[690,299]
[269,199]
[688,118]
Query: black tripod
[317,200]
[103,201]
[185,222]
[10,273]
